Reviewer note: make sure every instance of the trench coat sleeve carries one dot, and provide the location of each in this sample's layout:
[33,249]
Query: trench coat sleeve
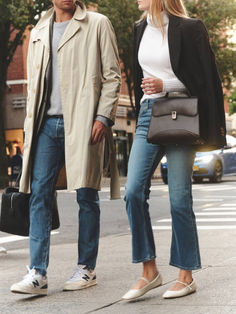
[110,71]
[212,81]
[29,66]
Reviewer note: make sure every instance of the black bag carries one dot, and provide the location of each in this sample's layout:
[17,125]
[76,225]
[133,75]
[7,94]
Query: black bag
[14,217]
[175,120]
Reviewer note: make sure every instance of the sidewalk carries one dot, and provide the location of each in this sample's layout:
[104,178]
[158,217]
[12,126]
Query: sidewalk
[216,281]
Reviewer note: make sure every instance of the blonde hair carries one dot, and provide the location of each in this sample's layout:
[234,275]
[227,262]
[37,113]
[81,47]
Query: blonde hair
[172,7]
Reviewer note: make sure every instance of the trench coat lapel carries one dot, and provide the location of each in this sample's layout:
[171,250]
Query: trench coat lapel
[174,41]
[42,29]
[74,25]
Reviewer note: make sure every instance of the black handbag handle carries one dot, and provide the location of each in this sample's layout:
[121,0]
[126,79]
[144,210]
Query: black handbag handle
[17,179]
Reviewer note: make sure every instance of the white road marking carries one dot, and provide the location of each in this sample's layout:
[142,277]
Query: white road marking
[216,214]
[203,220]
[220,188]
[223,227]
[228,205]
[14,238]
[218,208]
[208,199]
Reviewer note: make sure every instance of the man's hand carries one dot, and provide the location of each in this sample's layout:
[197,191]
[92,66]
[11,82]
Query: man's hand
[98,132]
[152,85]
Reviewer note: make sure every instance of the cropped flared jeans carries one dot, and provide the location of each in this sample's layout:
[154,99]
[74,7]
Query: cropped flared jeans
[144,158]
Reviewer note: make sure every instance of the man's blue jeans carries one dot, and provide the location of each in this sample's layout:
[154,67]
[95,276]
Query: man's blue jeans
[143,161]
[49,157]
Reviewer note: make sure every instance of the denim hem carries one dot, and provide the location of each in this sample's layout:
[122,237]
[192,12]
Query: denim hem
[186,268]
[42,272]
[144,259]
[88,266]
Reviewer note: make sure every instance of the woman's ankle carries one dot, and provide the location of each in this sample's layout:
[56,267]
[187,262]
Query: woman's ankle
[150,270]
[185,276]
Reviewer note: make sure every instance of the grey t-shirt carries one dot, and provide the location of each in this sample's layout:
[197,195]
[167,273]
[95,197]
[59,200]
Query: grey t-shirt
[55,98]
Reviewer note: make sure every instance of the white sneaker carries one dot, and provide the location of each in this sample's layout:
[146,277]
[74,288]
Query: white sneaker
[82,278]
[33,283]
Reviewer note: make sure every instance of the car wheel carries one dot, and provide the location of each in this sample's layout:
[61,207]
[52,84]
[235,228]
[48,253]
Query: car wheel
[218,172]
[197,180]
[165,180]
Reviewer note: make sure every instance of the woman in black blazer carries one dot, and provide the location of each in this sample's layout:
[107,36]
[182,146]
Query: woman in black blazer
[172,54]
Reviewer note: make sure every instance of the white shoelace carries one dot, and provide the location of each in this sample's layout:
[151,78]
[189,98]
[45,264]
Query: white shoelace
[30,275]
[78,272]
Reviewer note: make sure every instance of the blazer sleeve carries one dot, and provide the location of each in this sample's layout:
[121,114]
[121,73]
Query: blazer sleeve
[211,78]
[110,63]
[138,74]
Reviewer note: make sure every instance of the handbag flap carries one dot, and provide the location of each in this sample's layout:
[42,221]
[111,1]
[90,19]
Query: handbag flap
[187,106]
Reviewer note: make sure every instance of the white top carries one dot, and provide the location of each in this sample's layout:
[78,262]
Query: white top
[154,58]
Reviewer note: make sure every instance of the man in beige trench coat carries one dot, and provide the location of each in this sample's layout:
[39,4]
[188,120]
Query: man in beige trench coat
[73,87]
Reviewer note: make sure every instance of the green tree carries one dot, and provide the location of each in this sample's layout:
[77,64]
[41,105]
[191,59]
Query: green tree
[232,102]
[219,17]
[123,14]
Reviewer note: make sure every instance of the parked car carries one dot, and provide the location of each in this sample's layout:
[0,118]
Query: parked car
[211,165]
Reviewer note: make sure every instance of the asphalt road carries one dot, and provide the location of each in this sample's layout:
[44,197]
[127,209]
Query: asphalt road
[214,205]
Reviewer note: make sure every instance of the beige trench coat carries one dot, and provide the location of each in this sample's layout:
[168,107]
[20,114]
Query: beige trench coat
[89,76]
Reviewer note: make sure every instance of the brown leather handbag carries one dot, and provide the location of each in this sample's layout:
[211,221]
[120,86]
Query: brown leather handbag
[175,120]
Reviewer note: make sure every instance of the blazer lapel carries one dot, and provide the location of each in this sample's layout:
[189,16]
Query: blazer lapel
[140,27]
[174,40]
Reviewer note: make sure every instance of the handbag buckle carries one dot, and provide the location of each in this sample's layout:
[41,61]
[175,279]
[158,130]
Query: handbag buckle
[174,115]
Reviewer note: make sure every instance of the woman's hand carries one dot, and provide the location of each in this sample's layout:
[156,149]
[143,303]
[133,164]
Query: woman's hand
[152,85]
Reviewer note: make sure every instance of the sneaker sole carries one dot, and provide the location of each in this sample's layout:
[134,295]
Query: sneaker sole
[38,292]
[72,287]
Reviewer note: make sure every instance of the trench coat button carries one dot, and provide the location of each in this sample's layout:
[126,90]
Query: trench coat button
[30,115]
[34,90]
[38,66]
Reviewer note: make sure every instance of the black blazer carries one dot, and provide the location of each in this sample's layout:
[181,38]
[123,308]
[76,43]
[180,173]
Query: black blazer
[193,63]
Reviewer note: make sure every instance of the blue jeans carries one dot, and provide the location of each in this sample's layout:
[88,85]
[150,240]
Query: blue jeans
[143,161]
[49,157]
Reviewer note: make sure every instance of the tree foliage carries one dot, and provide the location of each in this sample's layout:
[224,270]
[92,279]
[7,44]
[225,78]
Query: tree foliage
[219,17]
[232,102]
[123,14]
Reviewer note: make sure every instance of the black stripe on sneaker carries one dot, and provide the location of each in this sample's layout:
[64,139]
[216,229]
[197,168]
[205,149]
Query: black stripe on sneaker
[44,287]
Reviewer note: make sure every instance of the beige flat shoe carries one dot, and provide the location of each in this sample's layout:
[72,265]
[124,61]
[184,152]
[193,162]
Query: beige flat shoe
[136,293]
[188,289]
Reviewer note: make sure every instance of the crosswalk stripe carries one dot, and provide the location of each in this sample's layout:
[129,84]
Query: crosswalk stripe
[225,188]
[218,208]
[203,220]
[228,205]
[221,227]
[208,199]
[14,238]
[216,214]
